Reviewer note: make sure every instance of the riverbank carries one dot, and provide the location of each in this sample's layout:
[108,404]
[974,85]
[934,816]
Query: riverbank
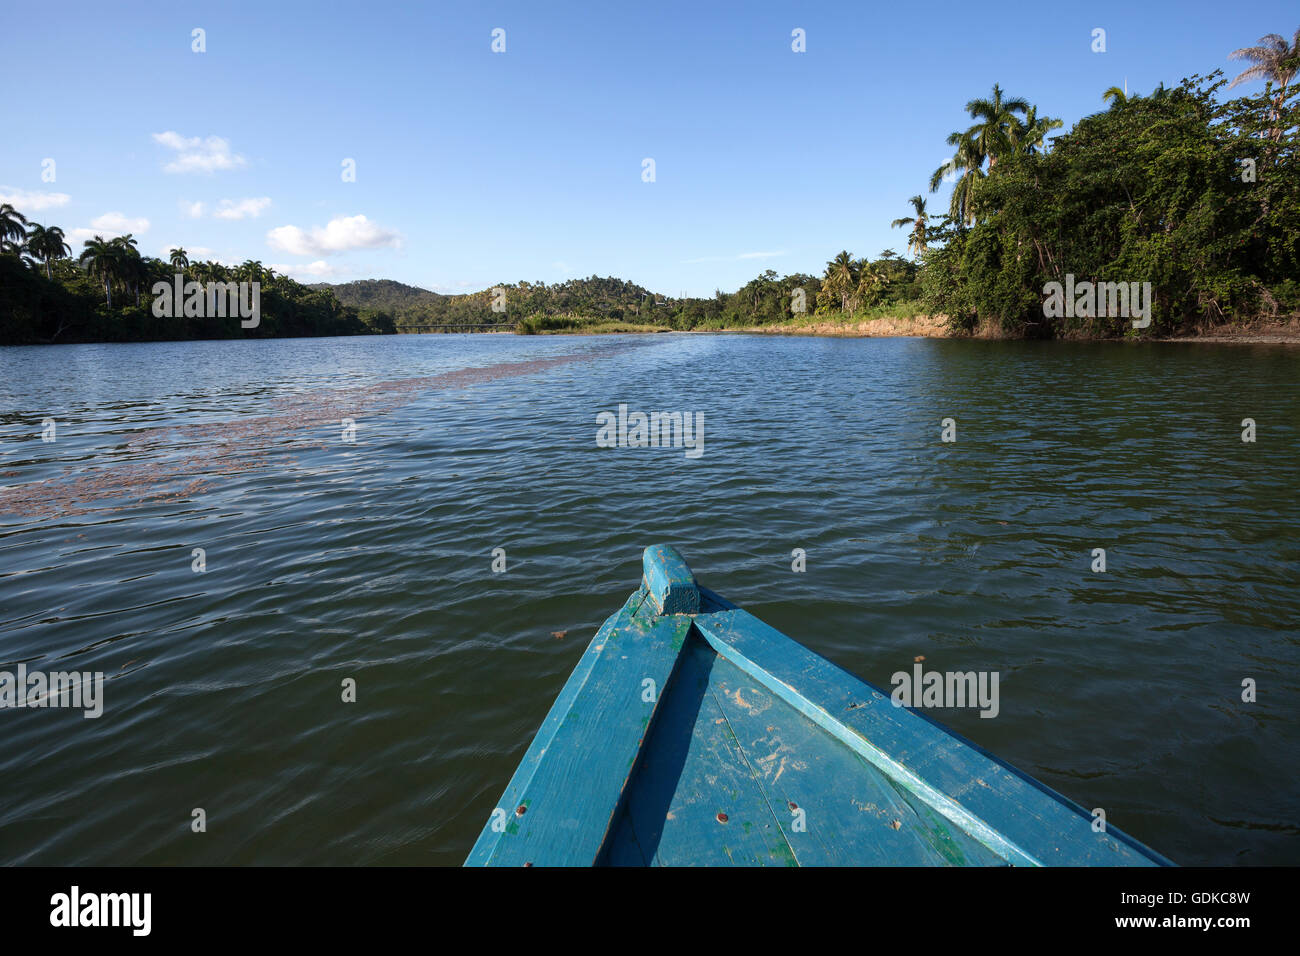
[1261,331]
[927,326]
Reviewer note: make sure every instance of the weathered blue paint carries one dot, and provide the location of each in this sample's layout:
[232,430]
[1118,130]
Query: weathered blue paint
[669,580]
[562,798]
[753,750]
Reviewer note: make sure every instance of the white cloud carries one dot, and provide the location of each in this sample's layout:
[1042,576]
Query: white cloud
[320,269]
[198,155]
[339,235]
[192,209]
[117,223]
[29,202]
[241,208]
[736,258]
[109,225]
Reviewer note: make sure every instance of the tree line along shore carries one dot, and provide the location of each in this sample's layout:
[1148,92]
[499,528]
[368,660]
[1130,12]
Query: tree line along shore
[1187,191]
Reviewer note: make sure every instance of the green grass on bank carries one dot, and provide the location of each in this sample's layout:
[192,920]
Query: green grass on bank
[907,309]
[578,325]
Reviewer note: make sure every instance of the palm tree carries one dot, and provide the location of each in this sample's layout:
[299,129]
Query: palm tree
[840,278]
[1117,98]
[46,243]
[130,267]
[102,257]
[917,238]
[134,272]
[970,160]
[13,224]
[180,259]
[1027,137]
[763,285]
[870,281]
[250,270]
[998,133]
[1274,62]
[996,117]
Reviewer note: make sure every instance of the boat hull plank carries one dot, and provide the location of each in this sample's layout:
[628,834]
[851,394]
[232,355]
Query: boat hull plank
[996,804]
[837,808]
[695,799]
[561,801]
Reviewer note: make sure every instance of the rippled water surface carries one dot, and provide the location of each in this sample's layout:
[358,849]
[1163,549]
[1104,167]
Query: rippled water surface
[371,559]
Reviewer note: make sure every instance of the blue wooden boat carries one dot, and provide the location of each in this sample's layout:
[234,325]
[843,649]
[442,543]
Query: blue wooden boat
[691,733]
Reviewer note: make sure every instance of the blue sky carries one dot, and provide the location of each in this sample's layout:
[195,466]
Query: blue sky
[474,167]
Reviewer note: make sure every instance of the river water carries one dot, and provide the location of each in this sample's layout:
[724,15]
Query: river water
[206,531]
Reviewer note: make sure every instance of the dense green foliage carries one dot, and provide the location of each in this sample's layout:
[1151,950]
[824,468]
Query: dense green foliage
[542,324]
[381,295]
[847,288]
[104,296]
[1198,197]
[508,304]
[575,301]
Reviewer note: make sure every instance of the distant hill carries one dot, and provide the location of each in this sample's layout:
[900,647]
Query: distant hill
[593,297]
[385,295]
